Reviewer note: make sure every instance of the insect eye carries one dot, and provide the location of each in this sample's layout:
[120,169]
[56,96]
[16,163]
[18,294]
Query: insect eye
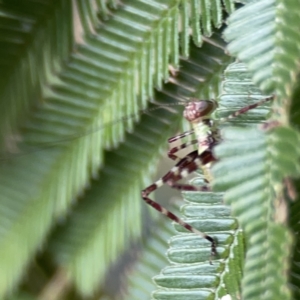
[199,109]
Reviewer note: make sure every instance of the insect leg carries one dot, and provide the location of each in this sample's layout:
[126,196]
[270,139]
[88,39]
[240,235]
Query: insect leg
[184,167]
[172,151]
[245,109]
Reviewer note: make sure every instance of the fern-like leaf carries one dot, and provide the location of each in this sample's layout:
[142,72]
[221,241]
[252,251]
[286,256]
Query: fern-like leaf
[192,276]
[252,168]
[250,34]
[108,74]
[72,245]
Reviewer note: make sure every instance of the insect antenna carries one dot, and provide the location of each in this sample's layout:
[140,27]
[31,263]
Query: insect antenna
[30,148]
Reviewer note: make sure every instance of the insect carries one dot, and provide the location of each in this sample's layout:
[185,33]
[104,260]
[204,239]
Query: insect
[207,130]
[208,135]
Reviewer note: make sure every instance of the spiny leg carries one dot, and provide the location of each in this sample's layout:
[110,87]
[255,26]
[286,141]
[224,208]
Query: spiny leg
[245,109]
[180,136]
[184,167]
[187,187]
[172,151]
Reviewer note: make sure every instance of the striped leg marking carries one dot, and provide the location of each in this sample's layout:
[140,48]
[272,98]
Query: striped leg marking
[180,136]
[172,151]
[246,109]
[198,113]
[182,169]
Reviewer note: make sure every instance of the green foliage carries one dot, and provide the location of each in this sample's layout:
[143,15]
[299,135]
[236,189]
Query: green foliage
[294,207]
[252,168]
[256,164]
[71,90]
[149,262]
[193,276]
[262,162]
